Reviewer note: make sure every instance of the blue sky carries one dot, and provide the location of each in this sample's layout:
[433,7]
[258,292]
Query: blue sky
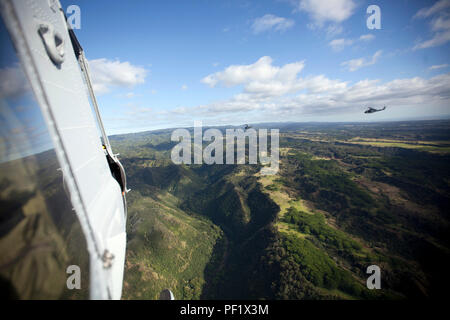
[164,64]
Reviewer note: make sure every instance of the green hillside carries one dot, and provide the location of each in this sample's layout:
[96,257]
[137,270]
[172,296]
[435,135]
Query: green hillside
[337,205]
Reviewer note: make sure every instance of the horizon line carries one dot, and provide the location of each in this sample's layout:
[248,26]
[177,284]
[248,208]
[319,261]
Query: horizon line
[285,122]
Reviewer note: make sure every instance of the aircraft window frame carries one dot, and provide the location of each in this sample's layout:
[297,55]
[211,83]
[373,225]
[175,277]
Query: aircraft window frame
[39,227]
[84,66]
[116,168]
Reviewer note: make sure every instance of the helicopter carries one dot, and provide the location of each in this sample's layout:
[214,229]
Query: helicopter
[62,189]
[373,110]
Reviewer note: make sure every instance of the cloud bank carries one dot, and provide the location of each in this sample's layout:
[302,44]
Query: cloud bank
[282,93]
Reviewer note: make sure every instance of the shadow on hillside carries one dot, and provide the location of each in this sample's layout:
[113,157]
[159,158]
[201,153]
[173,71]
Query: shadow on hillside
[235,270]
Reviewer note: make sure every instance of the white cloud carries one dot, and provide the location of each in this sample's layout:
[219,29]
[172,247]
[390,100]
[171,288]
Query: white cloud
[367,37]
[260,77]
[334,30]
[440,24]
[130,95]
[322,11]
[184,87]
[439,66]
[107,74]
[271,22]
[340,44]
[438,39]
[355,64]
[263,81]
[437,7]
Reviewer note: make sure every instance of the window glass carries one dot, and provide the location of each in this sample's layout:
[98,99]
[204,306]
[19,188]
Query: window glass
[40,235]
